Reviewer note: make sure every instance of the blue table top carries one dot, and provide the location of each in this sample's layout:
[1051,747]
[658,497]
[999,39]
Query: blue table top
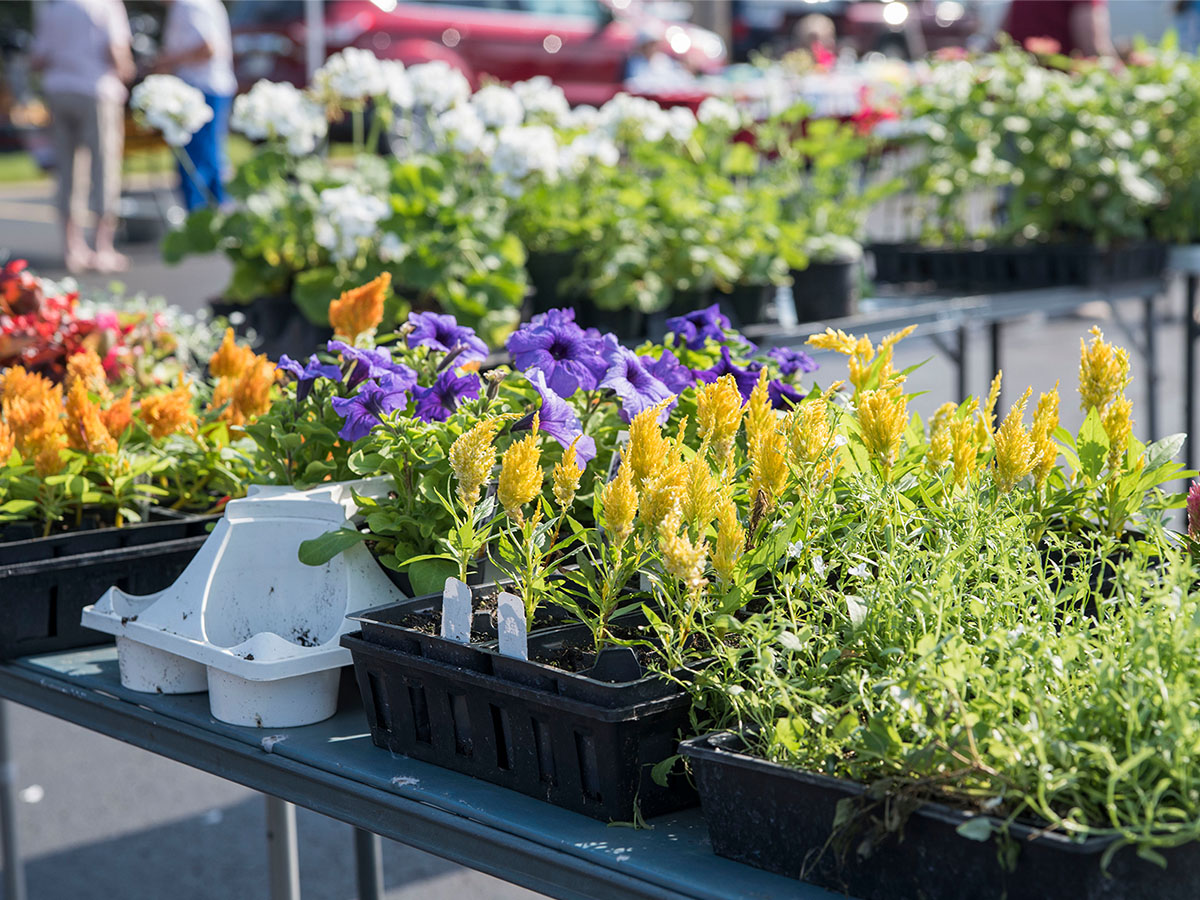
[673,858]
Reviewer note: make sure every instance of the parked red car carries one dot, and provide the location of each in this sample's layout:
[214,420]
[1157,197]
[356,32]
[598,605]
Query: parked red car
[583,45]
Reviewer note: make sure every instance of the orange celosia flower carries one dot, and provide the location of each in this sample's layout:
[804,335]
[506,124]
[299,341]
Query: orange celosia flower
[247,396]
[118,416]
[85,428]
[230,360]
[169,412]
[359,311]
[48,459]
[8,443]
[32,408]
[87,367]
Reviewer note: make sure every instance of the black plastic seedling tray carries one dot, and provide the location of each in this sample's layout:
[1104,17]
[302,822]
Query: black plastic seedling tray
[782,820]
[580,756]
[45,583]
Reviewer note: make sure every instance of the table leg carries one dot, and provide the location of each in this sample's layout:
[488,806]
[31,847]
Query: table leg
[368,864]
[283,857]
[995,333]
[1151,365]
[1189,368]
[14,868]
[961,375]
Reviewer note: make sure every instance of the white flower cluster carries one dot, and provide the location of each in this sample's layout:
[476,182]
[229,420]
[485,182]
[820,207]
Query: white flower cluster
[171,106]
[399,90]
[498,106]
[437,85]
[591,147]
[522,150]
[626,116]
[345,218]
[461,128]
[353,75]
[543,100]
[279,112]
[714,111]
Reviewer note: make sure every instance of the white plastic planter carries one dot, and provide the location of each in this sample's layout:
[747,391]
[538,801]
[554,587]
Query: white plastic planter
[247,621]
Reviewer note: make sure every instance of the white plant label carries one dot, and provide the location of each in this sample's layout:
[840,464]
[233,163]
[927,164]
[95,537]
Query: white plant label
[510,623]
[456,611]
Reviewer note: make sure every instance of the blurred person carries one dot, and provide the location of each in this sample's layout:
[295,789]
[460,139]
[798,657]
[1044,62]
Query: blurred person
[82,49]
[198,48]
[1078,27]
[816,34]
[649,66]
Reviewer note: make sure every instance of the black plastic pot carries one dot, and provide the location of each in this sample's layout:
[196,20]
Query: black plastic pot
[746,304]
[826,290]
[580,756]
[45,583]
[548,272]
[279,324]
[781,819]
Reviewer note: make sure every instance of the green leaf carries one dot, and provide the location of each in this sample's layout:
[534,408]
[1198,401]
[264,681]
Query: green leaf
[660,772]
[428,575]
[1093,445]
[1161,452]
[978,828]
[320,550]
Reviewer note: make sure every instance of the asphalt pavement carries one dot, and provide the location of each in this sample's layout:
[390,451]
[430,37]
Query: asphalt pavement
[103,820]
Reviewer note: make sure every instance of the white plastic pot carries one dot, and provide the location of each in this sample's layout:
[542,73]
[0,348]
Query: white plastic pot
[248,621]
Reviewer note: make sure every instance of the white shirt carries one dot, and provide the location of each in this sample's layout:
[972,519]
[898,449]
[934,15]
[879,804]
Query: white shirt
[75,38]
[191,23]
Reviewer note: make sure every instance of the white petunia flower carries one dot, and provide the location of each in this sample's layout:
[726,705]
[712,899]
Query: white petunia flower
[714,111]
[352,75]
[586,149]
[523,150]
[345,218]
[460,128]
[543,100]
[278,111]
[498,106]
[172,107]
[392,249]
[437,85]
[399,90]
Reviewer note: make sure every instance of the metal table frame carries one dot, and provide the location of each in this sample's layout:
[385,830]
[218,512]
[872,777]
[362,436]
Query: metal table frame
[947,319]
[332,768]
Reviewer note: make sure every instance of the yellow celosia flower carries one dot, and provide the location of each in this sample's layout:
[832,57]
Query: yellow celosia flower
[1118,425]
[718,415]
[701,493]
[809,435]
[860,352]
[986,424]
[166,413]
[565,478]
[647,450]
[681,558]
[760,415]
[662,494]
[359,311]
[472,456]
[731,541]
[87,367]
[964,437]
[1014,446]
[86,431]
[882,418]
[231,359]
[1103,372]
[1045,450]
[940,441]
[619,503]
[520,474]
[768,470]
[118,416]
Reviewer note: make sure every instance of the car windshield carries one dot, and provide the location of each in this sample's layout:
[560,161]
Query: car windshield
[264,12]
[583,9]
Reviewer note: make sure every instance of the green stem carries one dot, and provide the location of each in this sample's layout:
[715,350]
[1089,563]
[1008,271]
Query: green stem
[356,117]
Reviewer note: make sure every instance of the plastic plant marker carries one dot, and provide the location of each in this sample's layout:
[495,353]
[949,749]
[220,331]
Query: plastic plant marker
[456,611]
[616,664]
[510,626]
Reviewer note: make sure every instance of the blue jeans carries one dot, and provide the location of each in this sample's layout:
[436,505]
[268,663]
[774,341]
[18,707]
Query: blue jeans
[206,150]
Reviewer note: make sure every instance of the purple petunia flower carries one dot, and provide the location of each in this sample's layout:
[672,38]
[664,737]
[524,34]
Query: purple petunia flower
[437,402]
[307,374]
[670,371]
[697,327]
[442,332]
[362,411]
[374,363]
[570,357]
[746,378]
[636,387]
[792,361]
[557,419]
[783,395]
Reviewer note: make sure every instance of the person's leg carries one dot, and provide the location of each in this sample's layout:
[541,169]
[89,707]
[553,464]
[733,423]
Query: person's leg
[221,107]
[66,129]
[197,185]
[109,146]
